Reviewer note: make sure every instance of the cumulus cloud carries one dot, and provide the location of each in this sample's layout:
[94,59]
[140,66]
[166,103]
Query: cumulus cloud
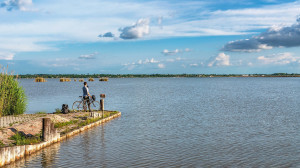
[88,56]
[220,60]
[176,51]
[6,56]
[167,52]
[108,34]
[132,65]
[161,66]
[276,36]
[137,30]
[194,65]
[280,59]
[21,5]
[140,62]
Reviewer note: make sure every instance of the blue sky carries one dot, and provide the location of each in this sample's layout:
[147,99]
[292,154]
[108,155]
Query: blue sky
[136,36]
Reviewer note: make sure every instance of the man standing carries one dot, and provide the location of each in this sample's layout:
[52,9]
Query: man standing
[86,97]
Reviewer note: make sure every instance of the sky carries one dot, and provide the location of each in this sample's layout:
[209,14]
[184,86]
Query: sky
[150,36]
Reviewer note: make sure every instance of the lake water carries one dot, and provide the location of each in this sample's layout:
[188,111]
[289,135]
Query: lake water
[178,122]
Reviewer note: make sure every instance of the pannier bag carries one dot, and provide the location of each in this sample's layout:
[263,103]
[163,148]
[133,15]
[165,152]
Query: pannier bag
[65,109]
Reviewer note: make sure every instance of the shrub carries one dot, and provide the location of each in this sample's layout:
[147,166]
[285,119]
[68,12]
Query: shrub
[1,144]
[21,139]
[12,96]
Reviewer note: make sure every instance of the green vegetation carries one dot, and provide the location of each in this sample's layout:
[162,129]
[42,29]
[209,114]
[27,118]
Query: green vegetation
[21,139]
[41,112]
[1,144]
[62,124]
[12,96]
[88,121]
[57,111]
[154,75]
[92,120]
[84,120]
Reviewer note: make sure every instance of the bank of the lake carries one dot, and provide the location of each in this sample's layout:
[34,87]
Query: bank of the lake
[31,131]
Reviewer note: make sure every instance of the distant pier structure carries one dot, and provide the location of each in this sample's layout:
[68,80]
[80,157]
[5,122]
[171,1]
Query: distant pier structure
[65,80]
[40,79]
[103,79]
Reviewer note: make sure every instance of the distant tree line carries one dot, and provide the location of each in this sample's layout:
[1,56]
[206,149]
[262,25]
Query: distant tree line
[154,75]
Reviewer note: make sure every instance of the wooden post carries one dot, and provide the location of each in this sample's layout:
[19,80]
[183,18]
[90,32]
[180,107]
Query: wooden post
[102,96]
[102,107]
[46,129]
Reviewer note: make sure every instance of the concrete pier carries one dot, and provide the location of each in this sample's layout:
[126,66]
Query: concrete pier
[50,135]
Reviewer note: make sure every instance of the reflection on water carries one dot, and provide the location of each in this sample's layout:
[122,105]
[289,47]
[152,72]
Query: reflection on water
[175,122]
[45,158]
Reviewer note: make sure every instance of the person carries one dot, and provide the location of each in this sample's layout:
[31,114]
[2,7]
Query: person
[86,96]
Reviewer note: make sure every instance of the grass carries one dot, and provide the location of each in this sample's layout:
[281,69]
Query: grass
[21,139]
[88,121]
[41,112]
[81,123]
[92,120]
[57,111]
[62,124]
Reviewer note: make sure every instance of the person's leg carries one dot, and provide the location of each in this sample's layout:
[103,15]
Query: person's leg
[84,104]
[89,104]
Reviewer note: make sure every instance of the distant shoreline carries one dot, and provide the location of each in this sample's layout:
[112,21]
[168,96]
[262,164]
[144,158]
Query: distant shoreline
[153,75]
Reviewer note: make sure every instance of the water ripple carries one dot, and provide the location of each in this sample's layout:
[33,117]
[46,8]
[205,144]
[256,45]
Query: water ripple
[182,122]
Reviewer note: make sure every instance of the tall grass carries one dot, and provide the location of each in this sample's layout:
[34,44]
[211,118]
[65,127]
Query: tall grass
[12,96]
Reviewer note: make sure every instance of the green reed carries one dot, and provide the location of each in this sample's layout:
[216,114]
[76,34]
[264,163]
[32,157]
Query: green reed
[12,96]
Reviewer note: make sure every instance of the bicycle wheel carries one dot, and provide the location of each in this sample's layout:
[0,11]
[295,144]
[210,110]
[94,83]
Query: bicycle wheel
[95,105]
[77,106]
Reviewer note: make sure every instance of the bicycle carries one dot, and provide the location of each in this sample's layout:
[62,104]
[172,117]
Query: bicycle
[79,105]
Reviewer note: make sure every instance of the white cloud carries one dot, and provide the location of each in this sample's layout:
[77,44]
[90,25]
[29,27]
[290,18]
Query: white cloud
[194,65]
[221,60]
[161,66]
[88,56]
[174,52]
[167,52]
[6,56]
[22,5]
[63,22]
[276,36]
[137,30]
[280,59]
[133,65]
[152,60]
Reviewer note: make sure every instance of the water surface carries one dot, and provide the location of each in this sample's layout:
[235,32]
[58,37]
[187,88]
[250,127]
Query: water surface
[178,122]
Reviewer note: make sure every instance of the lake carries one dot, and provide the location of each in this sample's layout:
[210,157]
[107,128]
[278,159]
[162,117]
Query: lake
[178,122]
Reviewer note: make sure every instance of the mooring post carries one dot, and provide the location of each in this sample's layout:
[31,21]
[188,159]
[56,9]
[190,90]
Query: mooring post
[46,129]
[102,96]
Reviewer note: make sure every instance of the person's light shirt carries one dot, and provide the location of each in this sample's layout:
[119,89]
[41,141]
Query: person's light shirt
[85,91]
